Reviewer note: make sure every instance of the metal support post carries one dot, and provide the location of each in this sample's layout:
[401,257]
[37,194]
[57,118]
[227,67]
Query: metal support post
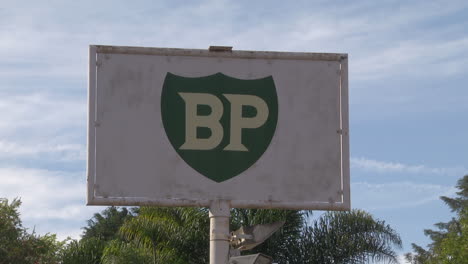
[219,232]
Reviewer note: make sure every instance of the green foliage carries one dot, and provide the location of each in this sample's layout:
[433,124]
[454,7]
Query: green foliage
[102,228]
[87,251]
[171,235]
[460,203]
[120,252]
[180,235]
[419,256]
[105,225]
[347,237]
[17,245]
[450,241]
[44,249]
[11,231]
[453,248]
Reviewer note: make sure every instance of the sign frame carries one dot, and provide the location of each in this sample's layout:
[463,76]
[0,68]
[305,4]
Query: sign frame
[93,124]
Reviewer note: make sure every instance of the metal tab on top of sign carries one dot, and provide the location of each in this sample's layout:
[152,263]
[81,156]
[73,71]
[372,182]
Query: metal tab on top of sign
[186,127]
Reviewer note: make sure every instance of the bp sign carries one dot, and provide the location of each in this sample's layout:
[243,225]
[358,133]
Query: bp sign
[175,127]
[218,124]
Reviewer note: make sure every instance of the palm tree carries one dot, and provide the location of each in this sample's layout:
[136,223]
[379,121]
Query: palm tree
[180,235]
[122,252]
[83,251]
[346,237]
[105,225]
[172,235]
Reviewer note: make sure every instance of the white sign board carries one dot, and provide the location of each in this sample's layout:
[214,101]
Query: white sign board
[178,127]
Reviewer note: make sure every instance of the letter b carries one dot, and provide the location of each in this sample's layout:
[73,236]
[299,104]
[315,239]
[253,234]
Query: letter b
[193,121]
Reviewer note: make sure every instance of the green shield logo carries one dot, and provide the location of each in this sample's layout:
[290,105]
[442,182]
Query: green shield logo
[218,124]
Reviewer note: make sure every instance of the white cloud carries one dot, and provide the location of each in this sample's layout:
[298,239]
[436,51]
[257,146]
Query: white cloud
[370,196]
[397,167]
[40,114]
[64,233]
[384,39]
[45,194]
[65,152]
[417,57]
[52,201]
[42,126]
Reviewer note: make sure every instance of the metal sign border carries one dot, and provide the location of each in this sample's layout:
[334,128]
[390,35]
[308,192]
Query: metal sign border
[342,58]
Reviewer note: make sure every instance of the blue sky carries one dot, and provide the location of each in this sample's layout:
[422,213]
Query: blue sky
[408,65]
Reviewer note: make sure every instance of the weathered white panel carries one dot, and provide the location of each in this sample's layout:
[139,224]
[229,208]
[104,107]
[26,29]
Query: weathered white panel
[132,162]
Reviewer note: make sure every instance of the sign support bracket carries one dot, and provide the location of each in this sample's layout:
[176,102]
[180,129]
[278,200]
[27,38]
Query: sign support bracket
[219,231]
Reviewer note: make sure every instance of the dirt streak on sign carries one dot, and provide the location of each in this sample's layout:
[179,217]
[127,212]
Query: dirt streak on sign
[185,127]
